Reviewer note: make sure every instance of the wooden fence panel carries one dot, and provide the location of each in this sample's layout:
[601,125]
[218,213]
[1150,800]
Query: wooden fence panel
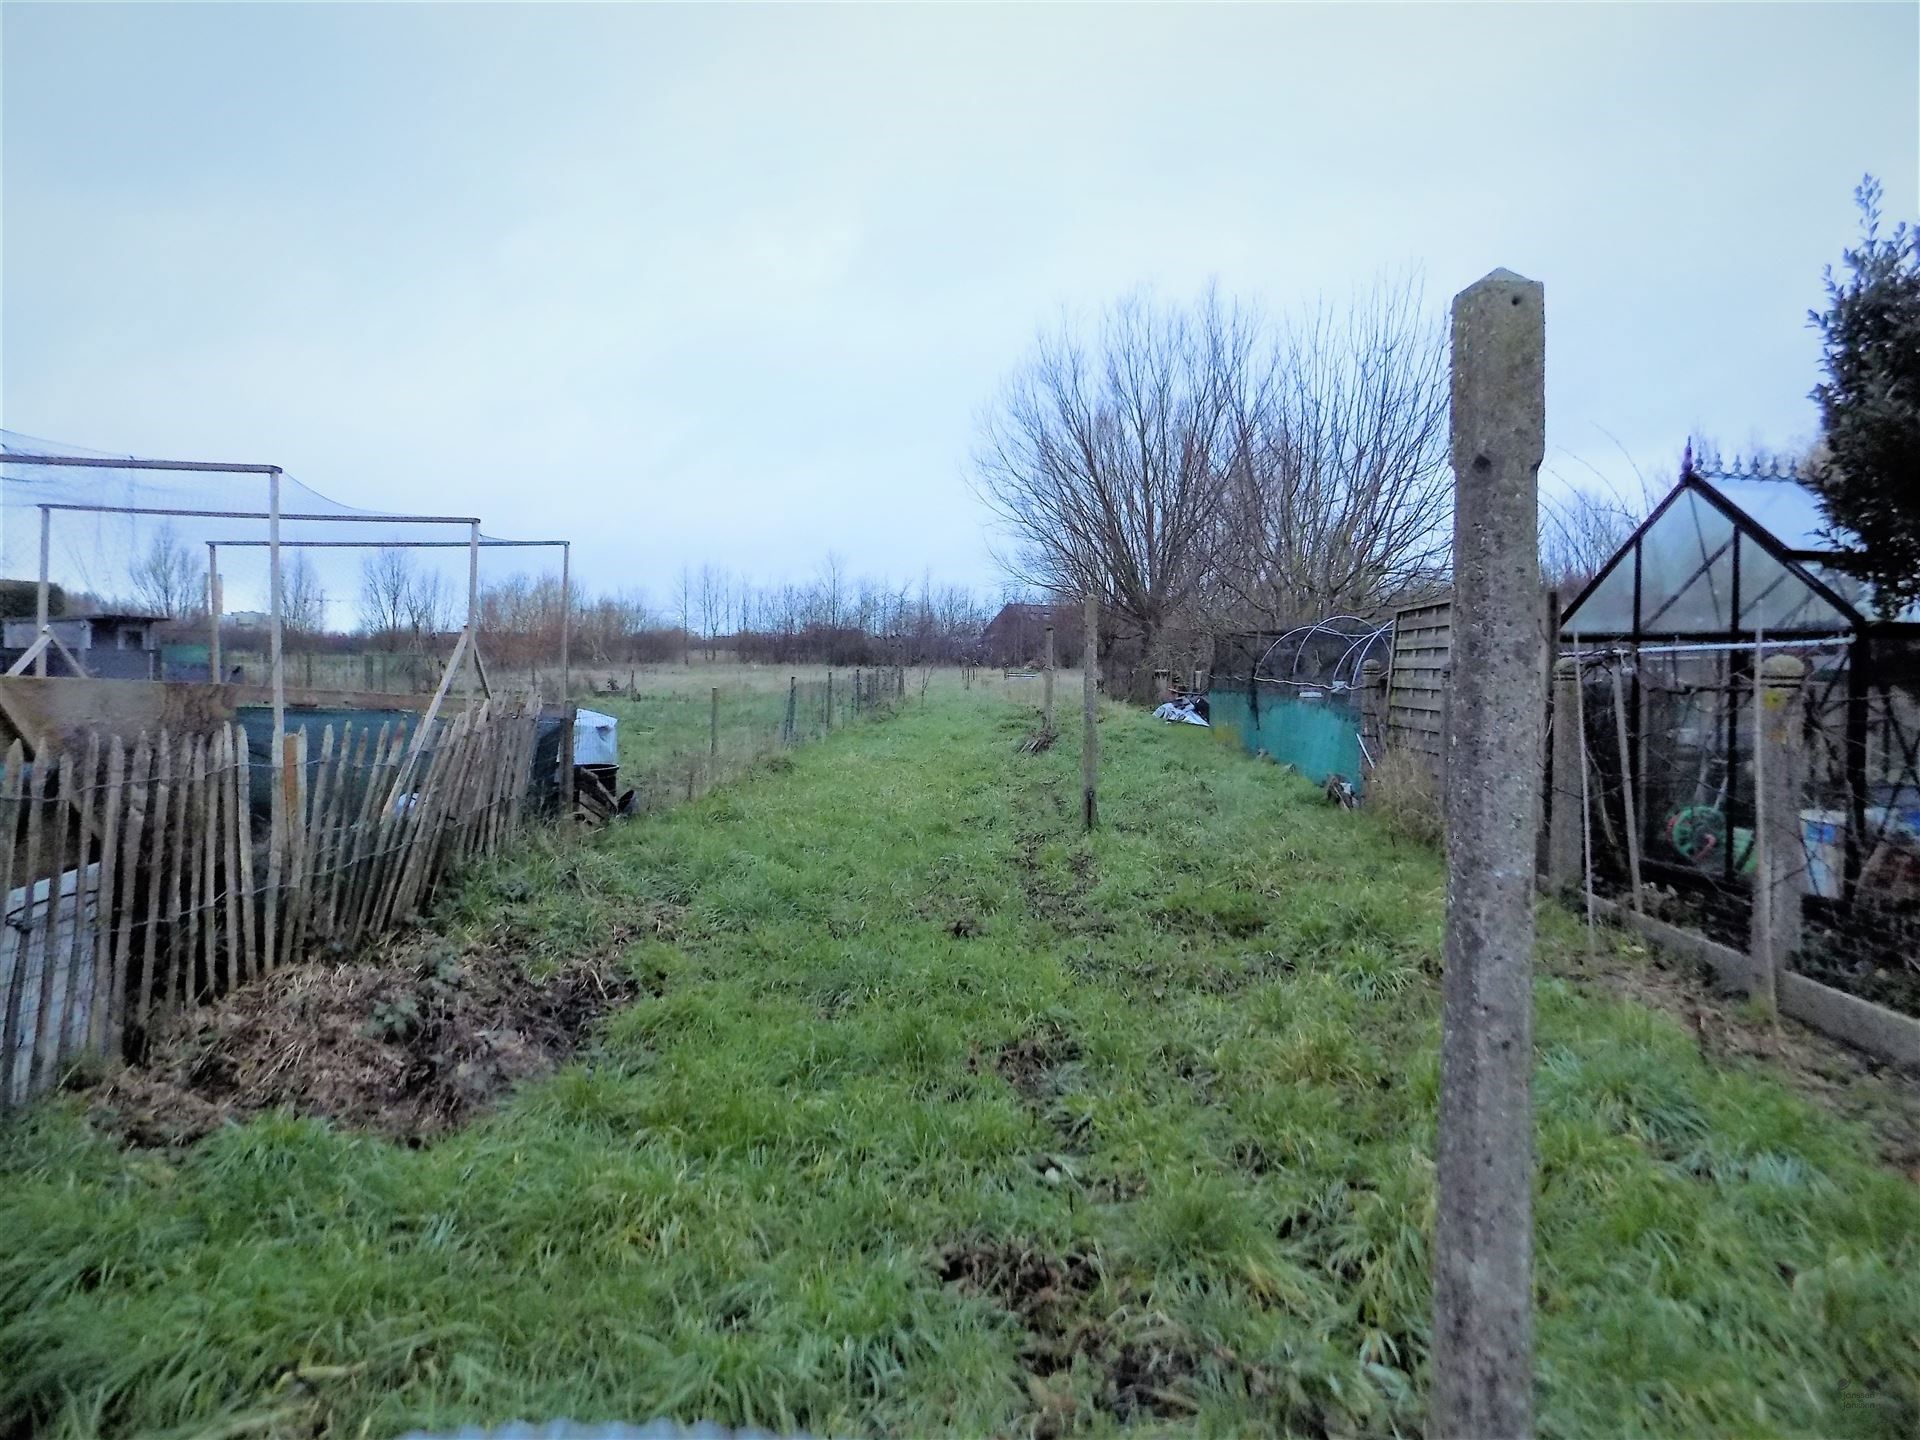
[1417,680]
[129,870]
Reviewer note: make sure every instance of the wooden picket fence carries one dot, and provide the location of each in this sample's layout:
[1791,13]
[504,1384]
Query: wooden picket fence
[146,877]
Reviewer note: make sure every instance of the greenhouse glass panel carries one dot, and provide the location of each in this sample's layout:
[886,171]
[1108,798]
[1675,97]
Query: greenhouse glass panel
[1686,570]
[1774,600]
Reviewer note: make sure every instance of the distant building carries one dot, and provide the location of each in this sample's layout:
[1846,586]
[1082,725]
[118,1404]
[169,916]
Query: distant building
[1018,634]
[118,646]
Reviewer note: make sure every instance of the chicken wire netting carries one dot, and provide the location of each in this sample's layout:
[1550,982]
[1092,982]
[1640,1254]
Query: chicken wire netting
[370,599]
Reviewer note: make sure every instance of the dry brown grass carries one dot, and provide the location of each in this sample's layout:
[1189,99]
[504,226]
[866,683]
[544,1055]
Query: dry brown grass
[1403,793]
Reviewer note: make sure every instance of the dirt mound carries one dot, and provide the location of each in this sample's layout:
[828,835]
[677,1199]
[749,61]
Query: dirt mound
[1029,1062]
[1044,1292]
[407,1044]
[1146,1364]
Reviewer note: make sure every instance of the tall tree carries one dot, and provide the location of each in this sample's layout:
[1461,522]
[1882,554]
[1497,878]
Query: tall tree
[683,608]
[386,577]
[1867,470]
[165,579]
[1103,459]
[1340,488]
[303,596]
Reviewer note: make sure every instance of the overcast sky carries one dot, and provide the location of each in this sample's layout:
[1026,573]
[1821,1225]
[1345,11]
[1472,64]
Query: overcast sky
[734,283]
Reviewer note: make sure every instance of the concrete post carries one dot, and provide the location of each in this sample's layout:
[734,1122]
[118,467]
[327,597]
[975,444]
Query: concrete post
[1483,1239]
[1047,684]
[1780,866]
[1565,853]
[1090,701]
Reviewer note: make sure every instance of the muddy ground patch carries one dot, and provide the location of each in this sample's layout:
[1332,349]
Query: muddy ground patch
[1143,1366]
[408,1044]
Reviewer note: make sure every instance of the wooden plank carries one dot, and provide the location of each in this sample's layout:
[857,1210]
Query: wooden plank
[276,864]
[46,826]
[12,795]
[456,836]
[139,805]
[161,819]
[101,1024]
[521,775]
[307,819]
[224,902]
[314,918]
[206,838]
[316,842]
[351,760]
[363,838]
[248,936]
[79,791]
[464,814]
[226,835]
[179,960]
[25,1030]
[348,766]
[421,822]
[513,753]
[388,826]
[375,826]
[424,817]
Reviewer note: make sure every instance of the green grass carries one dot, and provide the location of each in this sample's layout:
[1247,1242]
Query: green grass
[736,1208]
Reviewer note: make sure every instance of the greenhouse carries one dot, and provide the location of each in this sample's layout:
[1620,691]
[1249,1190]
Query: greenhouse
[1730,568]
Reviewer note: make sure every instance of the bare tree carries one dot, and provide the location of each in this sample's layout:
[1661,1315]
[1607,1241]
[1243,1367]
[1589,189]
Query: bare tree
[429,605]
[1340,486]
[683,607]
[386,579]
[1579,532]
[303,599]
[165,578]
[713,590]
[1105,461]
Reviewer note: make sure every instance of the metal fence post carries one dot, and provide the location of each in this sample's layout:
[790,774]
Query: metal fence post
[713,724]
[793,694]
[1047,705]
[1482,1363]
[1090,704]
[1564,849]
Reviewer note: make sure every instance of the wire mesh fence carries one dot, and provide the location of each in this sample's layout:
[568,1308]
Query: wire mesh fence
[1672,794]
[679,738]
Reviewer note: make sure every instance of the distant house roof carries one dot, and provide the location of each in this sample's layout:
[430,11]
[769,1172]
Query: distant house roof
[119,617]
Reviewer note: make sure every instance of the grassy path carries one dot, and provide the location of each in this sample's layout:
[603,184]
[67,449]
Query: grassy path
[934,1117]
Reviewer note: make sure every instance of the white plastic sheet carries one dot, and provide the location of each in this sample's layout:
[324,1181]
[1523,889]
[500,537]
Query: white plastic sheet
[596,738]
